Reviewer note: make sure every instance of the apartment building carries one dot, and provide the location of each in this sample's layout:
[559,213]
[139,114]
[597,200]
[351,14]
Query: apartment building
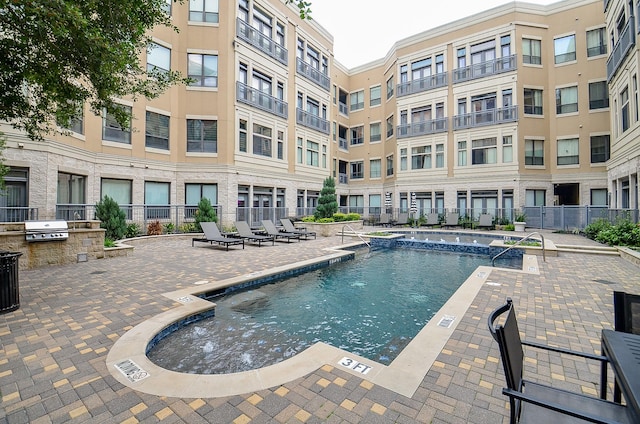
[503,109]
[622,75]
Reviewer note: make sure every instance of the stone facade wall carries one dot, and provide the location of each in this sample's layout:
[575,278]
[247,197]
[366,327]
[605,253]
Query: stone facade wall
[85,242]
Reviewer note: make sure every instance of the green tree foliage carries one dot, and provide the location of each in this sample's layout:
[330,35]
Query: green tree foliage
[59,54]
[205,213]
[304,6]
[112,218]
[327,203]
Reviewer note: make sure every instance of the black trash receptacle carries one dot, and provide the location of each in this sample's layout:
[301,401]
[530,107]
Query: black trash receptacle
[9,284]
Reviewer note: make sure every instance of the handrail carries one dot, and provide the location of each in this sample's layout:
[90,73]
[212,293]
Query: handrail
[544,255]
[356,233]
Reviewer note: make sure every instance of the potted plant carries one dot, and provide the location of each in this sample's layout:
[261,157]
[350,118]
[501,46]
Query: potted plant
[520,221]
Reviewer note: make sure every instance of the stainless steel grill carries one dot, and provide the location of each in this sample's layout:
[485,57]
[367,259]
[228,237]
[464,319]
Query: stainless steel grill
[46,230]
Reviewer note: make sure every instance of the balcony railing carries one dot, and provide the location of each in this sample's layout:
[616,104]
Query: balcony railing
[415,129]
[485,69]
[18,213]
[314,122]
[256,98]
[260,41]
[312,74]
[626,41]
[343,178]
[486,117]
[423,84]
[343,108]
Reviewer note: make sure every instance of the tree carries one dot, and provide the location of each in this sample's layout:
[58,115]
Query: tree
[304,6]
[327,203]
[112,218]
[60,54]
[205,213]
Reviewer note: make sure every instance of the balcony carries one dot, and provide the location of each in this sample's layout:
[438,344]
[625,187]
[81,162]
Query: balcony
[342,178]
[260,41]
[312,74]
[485,69]
[314,122]
[260,100]
[423,84]
[626,41]
[486,117]
[343,109]
[343,143]
[419,128]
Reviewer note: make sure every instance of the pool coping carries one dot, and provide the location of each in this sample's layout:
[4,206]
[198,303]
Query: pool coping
[403,375]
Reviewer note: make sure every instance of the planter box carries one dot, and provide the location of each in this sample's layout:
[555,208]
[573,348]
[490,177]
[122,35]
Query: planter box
[331,228]
[519,225]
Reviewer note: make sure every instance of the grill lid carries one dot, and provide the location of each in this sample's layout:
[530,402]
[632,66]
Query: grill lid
[46,230]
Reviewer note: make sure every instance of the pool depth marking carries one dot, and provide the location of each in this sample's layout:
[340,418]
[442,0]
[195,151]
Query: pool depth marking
[354,365]
[131,370]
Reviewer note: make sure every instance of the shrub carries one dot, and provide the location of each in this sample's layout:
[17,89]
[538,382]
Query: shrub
[325,220]
[353,216]
[327,203]
[154,228]
[309,218]
[187,227]
[133,230]
[509,227]
[521,217]
[168,228]
[592,230]
[623,233]
[109,243]
[205,213]
[112,218]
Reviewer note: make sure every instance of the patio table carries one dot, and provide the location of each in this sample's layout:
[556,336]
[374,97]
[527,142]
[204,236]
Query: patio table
[623,352]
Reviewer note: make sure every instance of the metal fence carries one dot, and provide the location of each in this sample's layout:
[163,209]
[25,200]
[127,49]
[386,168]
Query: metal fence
[574,217]
[18,214]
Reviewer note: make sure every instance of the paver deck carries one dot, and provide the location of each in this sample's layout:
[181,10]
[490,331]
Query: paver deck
[53,349]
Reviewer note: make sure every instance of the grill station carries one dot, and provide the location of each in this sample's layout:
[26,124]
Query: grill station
[46,230]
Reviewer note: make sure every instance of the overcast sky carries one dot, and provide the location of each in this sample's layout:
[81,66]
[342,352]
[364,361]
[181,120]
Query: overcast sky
[365,30]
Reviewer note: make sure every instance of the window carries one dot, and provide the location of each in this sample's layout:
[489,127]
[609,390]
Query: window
[111,129]
[566,100]
[568,153]
[534,152]
[600,145]
[280,149]
[565,49]
[403,159]
[598,197]
[389,165]
[532,101]
[598,95]
[374,132]
[157,131]
[156,200]
[242,136]
[534,197]
[421,157]
[462,57]
[596,43]
[357,100]
[203,70]
[313,153]
[357,171]
[166,6]
[118,190]
[439,155]
[624,108]
[507,149]
[439,64]
[390,88]
[203,11]
[261,140]
[76,122]
[390,126]
[71,189]
[421,69]
[375,203]
[324,156]
[531,51]
[299,151]
[196,192]
[484,151]
[462,153]
[158,58]
[202,135]
[375,168]
[357,135]
[375,96]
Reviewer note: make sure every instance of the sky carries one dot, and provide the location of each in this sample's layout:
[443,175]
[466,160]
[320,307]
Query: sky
[365,30]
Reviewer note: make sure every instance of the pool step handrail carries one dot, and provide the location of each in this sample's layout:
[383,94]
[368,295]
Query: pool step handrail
[544,256]
[356,233]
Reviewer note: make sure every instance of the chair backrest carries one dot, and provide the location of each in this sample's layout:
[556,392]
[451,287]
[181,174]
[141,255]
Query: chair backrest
[432,218]
[287,224]
[210,230]
[508,337]
[626,311]
[486,220]
[269,226]
[452,218]
[243,229]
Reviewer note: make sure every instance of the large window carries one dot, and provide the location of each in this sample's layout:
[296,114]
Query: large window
[390,88]
[357,135]
[203,70]
[196,192]
[357,100]
[390,126]
[534,197]
[533,101]
[600,145]
[389,165]
[374,132]
[566,100]
[375,168]
[158,58]
[598,95]
[71,188]
[565,49]
[375,96]
[76,122]
[507,149]
[157,131]
[484,151]
[262,139]
[313,153]
[120,191]
[111,129]
[599,197]
[421,157]
[462,153]
[596,42]
[157,200]
[202,135]
[531,51]
[357,170]
[439,155]
[568,151]
[203,11]
[534,152]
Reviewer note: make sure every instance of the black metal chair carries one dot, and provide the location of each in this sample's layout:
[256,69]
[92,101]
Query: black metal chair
[532,402]
[626,310]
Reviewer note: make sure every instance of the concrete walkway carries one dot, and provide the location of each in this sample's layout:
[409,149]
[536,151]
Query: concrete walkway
[53,349]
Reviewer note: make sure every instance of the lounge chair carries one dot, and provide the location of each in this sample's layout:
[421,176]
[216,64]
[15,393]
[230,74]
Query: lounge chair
[290,228]
[403,219]
[245,232]
[626,314]
[272,230]
[534,402]
[486,221]
[212,235]
[452,220]
[432,219]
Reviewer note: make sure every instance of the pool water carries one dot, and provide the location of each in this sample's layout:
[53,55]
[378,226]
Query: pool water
[372,306]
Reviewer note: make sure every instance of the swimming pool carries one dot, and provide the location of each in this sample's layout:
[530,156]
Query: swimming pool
[354,306]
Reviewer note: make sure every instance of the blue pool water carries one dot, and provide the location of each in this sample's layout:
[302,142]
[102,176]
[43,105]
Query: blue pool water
[372,306]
